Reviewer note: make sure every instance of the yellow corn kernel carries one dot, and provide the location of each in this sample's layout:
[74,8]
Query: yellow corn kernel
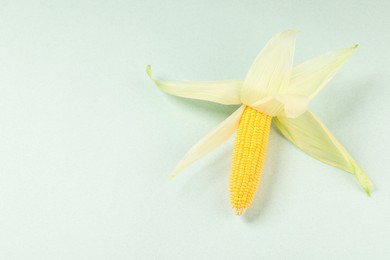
[250,147]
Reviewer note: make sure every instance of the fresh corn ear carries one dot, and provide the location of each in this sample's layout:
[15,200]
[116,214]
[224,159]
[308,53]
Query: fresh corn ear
[250,147]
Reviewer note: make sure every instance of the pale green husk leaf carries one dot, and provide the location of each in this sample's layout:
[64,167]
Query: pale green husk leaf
[271,70]
[310,134]
[310,77]
[224,92]
[211,141]
[289,105]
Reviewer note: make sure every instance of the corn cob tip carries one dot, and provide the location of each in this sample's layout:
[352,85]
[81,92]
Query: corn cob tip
[239,212]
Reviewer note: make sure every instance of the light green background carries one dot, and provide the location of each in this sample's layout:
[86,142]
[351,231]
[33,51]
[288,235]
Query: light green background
[87,142]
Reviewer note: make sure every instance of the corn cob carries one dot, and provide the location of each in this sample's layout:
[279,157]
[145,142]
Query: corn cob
[250,148]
